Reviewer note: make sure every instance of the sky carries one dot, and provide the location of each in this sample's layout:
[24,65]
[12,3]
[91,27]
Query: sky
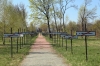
[71,13]
[27,4]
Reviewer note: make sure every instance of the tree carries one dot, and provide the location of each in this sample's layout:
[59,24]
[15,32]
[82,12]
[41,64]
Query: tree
[44,27]
[18,13]
[71,26]
[12,16]
[3,4]
[85,14]
[64,7]
[54,15]
[23,15]
[31,27]
[42,6]
[96,26]
[59,16]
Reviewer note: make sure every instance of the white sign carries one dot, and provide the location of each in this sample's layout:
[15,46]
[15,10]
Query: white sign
[20,35]
[86,33]
[71,37]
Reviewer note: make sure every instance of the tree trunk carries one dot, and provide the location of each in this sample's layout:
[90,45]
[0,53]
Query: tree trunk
[82,26]
[49,27]
[63,24]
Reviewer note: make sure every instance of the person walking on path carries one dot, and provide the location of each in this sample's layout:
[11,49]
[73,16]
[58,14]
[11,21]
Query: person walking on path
[42,54]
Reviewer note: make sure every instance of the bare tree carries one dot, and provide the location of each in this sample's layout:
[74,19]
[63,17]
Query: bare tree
[23,15]
[85,14]
[64,7]
[54,15]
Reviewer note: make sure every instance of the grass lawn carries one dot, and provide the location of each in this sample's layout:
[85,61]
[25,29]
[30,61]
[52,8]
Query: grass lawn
[78,58]
[5,52]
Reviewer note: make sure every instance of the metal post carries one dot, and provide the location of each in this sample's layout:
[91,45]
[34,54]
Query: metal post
[62,41]
[4,33]
[86,48]
[30,39]
[71,43]
[20,38]
[57,39]
[52,38]
[86,44]
[66,43]
[17,41]
[11,45]
[24,36]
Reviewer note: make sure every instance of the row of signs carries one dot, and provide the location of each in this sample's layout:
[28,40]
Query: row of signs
[78,33]
[16,34]
[24,33]
[64,33]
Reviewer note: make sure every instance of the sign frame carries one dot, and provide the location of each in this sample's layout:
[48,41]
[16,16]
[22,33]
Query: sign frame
[12,35]
[86,33]
[71,37]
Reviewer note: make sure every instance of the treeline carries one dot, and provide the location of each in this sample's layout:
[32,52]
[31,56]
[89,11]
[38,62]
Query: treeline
[74,26]
[12,16]
[54,11]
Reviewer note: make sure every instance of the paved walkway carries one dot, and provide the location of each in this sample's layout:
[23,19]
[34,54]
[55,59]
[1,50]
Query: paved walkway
[42,54]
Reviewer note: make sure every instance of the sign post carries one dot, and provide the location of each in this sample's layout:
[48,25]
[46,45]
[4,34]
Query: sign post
[11,46]
[20,38]
[71,44]
[62,35]
[86,42]
[66,44]
[70,37]
[86,33]
[17,41]
[52,39]
[24,37]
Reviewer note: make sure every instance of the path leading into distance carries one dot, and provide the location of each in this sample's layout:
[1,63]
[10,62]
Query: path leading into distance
[42,54]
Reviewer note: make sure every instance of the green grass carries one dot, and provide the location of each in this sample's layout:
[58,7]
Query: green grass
[78,57]
[5,53]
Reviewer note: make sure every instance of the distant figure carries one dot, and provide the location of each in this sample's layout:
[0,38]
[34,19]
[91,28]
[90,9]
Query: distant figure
[40,31]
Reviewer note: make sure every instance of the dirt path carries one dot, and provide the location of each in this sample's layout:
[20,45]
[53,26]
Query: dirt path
[42,54]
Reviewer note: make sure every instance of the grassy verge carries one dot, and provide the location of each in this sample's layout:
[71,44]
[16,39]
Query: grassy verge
[5,57]
[78,57]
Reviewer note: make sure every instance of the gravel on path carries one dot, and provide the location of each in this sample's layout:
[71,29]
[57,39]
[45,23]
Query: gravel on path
[42,54]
